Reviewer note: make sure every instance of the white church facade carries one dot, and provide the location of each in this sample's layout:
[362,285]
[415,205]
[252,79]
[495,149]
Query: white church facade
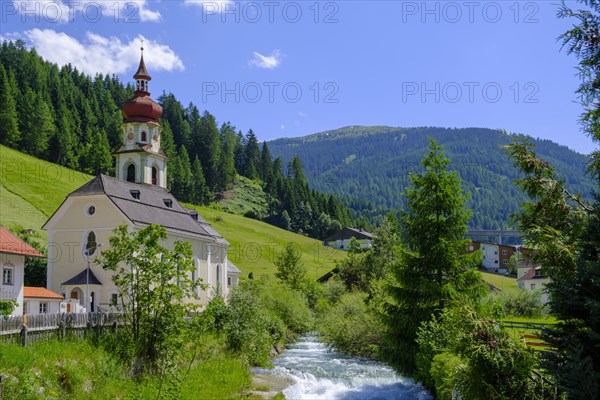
[137,197]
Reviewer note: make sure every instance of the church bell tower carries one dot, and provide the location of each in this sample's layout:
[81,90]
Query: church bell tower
[140,158]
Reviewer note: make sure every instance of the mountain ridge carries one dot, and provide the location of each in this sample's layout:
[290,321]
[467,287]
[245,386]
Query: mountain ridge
[368,167]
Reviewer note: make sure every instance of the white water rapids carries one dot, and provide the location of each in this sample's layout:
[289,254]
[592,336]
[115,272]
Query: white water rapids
[320,373]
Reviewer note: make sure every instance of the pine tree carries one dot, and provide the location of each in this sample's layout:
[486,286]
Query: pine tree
[200,193]
[433,267]
[227,160]
[9,123]
[251,156]
[265,163]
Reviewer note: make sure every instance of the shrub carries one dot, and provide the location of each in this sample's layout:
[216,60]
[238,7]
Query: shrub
[351,326]
[514,303]
[251,331]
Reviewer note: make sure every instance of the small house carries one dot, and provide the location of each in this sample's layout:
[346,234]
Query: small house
[341,240]
[13,252]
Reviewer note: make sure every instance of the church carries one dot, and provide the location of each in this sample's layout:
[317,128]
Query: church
[137,196]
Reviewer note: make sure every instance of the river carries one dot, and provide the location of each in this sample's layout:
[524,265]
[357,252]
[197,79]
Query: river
[320,373]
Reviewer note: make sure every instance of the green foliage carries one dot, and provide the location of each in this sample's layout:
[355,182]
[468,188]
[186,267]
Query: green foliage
[351,326]
[433,267]
[515,303]
[35,268]
[251,331]
[289,268]
[463,352]
[155,289]
[288,305]
[7,306]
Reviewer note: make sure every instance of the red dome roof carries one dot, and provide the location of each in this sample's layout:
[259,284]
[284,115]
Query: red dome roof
[141,109]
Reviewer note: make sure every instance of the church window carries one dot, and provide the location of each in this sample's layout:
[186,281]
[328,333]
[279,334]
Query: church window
[154,175]
[131,173]
[135,194]
[144,136]
[90,246]
[91,210]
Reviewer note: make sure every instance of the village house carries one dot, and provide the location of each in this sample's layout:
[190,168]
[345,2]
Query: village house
[495,257]
[37,300]
[531,277]
[13,252]
[341,240]
[137,197]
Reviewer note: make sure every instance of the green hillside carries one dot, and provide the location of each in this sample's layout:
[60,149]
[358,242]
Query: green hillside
[368,167]
[32,189]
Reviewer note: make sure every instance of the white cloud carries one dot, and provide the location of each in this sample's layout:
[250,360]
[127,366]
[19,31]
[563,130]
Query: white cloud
[302,114]
[282,127]
[267,62]
[54,11]
[100,54]
[209,6]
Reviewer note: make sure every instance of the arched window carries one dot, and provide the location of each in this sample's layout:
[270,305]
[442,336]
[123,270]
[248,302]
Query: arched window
[90,245]
[219,274]
[144,136]
[131,173]
[154,176]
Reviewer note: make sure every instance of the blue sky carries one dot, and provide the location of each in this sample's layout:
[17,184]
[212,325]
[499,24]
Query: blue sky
[294,68]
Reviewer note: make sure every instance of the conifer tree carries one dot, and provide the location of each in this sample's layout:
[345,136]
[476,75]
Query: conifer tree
[433,267]
[251,156]
[200,193]
[9,123]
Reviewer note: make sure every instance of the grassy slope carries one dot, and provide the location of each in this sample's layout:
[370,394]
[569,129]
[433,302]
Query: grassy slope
[500,281]
[254,244]
[33,189]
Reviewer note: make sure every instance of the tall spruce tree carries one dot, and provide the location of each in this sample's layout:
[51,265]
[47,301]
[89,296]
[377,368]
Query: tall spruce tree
[433,267]
[9,122]
[200,193]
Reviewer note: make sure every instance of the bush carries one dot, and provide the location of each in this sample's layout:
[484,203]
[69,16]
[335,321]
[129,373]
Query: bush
[251,331]
[495,366]
[351,326]
[290,306]
[514,303]
[444,367]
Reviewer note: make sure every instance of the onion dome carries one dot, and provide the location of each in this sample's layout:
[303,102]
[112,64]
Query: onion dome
[141,108]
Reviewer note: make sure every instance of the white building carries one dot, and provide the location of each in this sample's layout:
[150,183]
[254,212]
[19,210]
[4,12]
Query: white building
[12,261]
[37,300]
[137,197]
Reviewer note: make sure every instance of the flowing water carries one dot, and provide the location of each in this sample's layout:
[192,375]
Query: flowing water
[320,373]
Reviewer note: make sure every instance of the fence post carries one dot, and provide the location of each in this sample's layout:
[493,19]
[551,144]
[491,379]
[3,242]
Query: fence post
[24,335]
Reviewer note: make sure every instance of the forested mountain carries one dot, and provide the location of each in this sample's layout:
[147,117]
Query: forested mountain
[69,118]
[368,167]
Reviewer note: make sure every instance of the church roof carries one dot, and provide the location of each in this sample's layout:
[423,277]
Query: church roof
[151,205]
[82,279]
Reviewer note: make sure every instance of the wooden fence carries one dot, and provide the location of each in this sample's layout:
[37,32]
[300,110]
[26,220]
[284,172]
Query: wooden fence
[32,328]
